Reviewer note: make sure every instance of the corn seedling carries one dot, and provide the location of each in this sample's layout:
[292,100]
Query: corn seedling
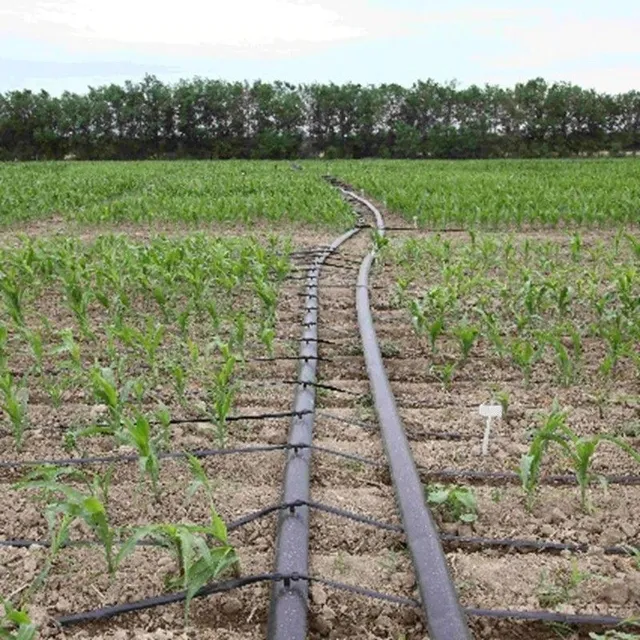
[70,346]
[580,453]
[4,342]
[137,434]
[531,462]
[502,398]
[202,553]
[379,240]
[65,504]
[13,292]
[200,479]
[614,634]
[222,392]
[13,402]
[456,504]
[15,624]
[466,336]
[524,356]
[105,390]
[445,373]
[267,337]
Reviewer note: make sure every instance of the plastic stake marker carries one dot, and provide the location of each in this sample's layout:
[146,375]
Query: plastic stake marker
[489,411]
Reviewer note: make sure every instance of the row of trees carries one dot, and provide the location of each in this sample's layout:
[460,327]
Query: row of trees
[217,119]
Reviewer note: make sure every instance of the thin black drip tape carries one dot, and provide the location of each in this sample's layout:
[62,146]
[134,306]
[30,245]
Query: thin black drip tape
[448,539]
[349,421]
[297,358]
[286,579]
[319,385]
[238,418]
[425,230]
[232,526]
[317,341]
[177,455]
[577,620]
[505,477]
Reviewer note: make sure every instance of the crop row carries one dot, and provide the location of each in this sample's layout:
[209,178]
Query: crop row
[566,305]
[124,323]
[502,193]
[187,192]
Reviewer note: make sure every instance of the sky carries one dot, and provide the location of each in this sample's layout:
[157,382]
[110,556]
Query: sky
[69,45]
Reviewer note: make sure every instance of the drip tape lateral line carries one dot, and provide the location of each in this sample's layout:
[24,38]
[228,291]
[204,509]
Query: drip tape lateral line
[237,418]
[286,580]
[320,385]
[502,477]
[176,455]
[465,541]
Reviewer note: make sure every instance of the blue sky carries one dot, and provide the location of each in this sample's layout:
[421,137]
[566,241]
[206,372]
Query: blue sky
[63,45]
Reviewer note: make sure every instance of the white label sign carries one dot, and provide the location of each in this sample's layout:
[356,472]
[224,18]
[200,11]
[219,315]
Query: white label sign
[491,410]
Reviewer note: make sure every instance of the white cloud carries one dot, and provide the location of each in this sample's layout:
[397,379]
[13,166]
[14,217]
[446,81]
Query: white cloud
[210,26]
[241,28]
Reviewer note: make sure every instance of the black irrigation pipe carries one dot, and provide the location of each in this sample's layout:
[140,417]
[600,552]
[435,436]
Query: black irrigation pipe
[444,616]
[288,607]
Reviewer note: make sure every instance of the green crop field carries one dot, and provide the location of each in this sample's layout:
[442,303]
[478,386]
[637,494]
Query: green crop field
[187,192]
[538,193]
[150,309]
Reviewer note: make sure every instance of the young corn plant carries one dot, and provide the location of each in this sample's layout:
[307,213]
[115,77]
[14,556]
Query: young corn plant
[445,373]
[179,380]
[467,336]
[4,347]
[433,327]
[15,624]
[106,391]
[13,294]
[531,462]
[456,504]
[202,553]
[72,348]
[78,297]
[137,434]
[13,401]
[66,504]
[524,355]
[267,337]
[580,453]
[222,392]
[200,479]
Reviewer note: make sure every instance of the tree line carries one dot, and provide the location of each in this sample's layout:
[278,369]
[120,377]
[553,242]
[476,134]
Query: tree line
[202,118]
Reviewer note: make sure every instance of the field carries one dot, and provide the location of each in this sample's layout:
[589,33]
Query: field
[153,310]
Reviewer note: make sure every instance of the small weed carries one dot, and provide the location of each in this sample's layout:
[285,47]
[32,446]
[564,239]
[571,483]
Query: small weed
[553,592]
[340,563]
[456,504]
